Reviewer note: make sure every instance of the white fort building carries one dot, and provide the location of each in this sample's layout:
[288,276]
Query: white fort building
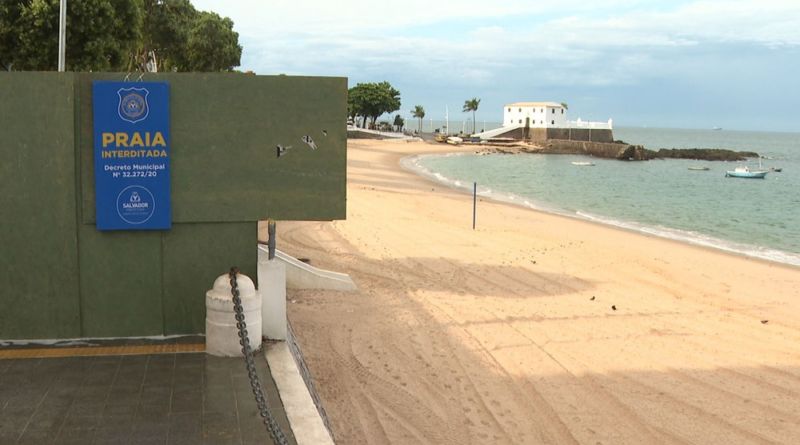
[545,121]
[545,115]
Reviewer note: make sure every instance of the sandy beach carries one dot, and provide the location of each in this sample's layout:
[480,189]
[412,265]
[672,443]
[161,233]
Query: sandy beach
[535,328]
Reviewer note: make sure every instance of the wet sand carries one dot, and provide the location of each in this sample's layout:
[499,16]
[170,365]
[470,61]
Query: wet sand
[508,334]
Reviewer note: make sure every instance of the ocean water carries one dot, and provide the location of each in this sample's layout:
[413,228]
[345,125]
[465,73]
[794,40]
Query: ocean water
[756,217]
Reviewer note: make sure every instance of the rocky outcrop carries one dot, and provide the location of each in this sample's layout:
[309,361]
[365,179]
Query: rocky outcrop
[618,150]
[628,152]
[607,150]
[707,154]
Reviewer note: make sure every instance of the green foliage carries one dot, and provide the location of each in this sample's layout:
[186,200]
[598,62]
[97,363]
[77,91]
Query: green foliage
[10,13]
[472,105]
[419,113]
[111,35]
[213,45]
[371,100]
[399,122]
[564,104]
[166,32]
[107,33]
[101,34]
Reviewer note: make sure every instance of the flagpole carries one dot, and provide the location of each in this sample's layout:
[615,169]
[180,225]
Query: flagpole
[62,35]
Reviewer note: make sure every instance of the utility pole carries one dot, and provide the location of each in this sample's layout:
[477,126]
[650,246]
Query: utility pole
[62,36]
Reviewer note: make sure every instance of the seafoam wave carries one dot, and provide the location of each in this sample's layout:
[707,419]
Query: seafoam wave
[698,239]
[413,164]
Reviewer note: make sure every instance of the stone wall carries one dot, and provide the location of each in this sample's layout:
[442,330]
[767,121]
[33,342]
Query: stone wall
[568,134]
[580,134]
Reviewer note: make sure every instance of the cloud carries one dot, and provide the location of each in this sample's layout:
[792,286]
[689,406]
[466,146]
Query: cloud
[364,37]
[324,16]
[520,49]
[769,22]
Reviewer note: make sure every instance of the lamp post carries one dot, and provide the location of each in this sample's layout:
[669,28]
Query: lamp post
[62,35]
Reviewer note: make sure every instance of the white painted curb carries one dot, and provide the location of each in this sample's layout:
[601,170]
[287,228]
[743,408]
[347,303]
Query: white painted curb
[305,420]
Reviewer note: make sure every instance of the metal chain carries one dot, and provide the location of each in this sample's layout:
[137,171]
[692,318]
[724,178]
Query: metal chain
[263,408]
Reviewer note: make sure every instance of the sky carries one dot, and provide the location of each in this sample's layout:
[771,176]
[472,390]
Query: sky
[680,63]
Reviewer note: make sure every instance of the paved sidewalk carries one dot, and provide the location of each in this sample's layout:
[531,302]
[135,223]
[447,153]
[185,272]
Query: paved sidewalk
[174,398]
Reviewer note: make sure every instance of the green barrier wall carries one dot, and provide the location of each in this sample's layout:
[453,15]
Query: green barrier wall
[61,278]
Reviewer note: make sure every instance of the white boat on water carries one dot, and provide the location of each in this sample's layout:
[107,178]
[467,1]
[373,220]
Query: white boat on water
[698,167]
[744,171]
[583,163]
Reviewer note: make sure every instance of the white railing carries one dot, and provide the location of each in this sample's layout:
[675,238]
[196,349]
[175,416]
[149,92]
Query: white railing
[591,125]
[385,134]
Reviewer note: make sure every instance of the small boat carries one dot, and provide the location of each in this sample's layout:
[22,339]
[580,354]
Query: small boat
[454,140]
[776,169]
[717,128]
[583,163]
[698,167]
[745,172]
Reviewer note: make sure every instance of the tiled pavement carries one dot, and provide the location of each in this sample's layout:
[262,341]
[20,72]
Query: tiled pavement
[183,398]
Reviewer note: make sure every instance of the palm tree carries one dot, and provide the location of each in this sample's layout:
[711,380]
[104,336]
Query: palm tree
[472,105]
[419,113]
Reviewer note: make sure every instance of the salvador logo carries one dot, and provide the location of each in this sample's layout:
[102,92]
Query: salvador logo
[133,104]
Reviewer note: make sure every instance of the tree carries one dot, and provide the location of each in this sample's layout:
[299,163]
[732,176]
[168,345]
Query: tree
[564,104]
[399,122]
[113,35]
[100,35]
[10,13]
[352,112]
[472,105]
[166,33]
[213,45]
[371,100]
[419,113]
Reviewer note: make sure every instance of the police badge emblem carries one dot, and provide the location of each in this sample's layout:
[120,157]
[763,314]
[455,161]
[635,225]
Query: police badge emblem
[133,104]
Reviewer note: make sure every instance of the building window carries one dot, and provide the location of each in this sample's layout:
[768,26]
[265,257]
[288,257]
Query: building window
[554,111]
[520,121]
[552,122]
[562,111]
[509,110]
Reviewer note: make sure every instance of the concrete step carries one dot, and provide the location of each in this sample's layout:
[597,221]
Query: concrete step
[300,275]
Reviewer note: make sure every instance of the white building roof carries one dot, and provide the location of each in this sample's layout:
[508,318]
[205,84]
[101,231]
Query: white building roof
[535,104]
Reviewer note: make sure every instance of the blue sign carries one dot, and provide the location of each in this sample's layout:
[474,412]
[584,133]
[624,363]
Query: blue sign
[131,155]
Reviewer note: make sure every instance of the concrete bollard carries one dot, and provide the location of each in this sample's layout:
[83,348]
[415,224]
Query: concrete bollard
[222,335]
[272,287]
